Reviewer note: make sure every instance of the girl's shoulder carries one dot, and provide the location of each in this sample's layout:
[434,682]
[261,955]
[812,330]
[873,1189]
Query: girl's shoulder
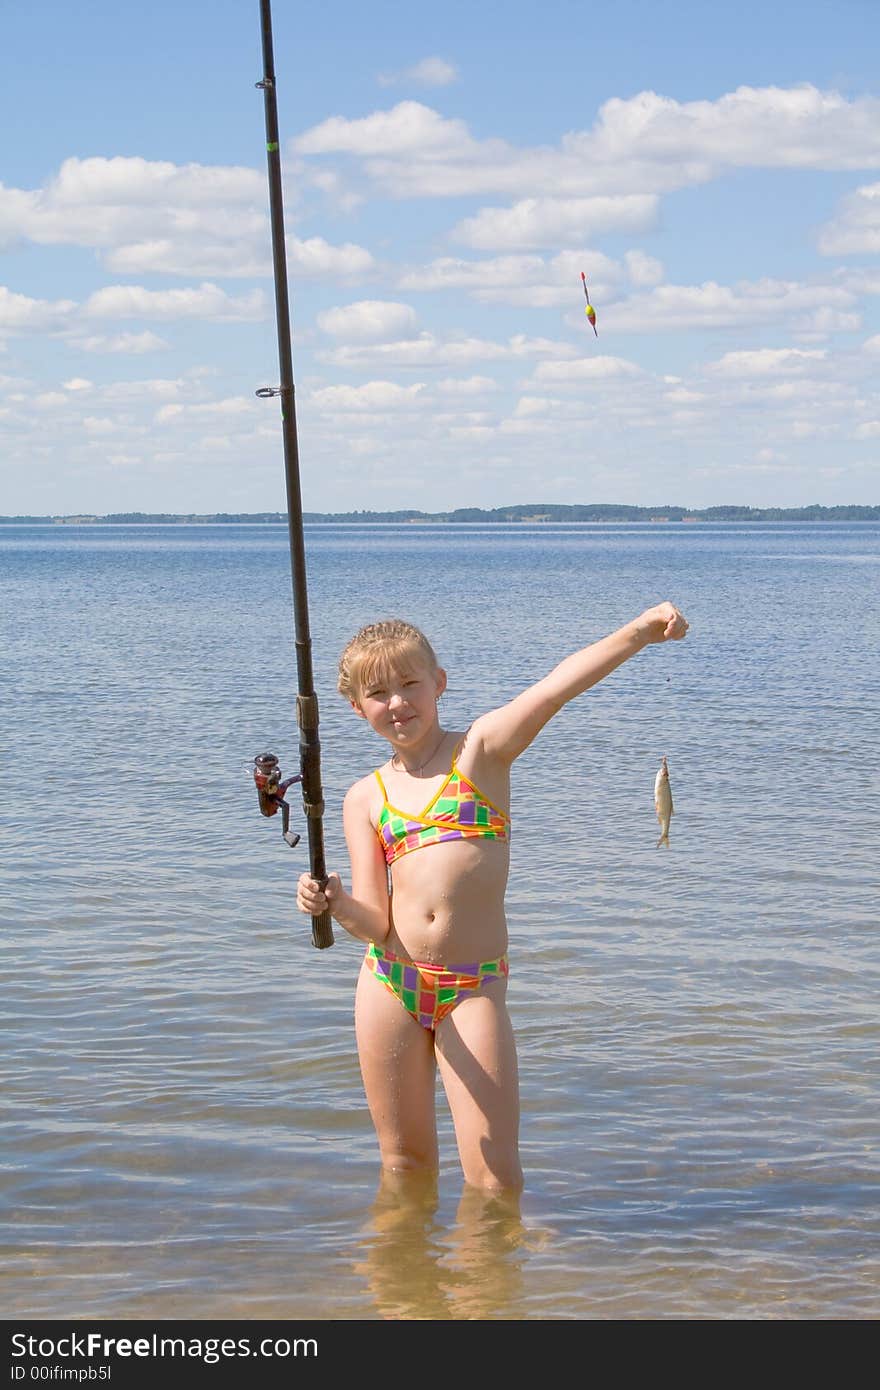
[363,798]
[362,790]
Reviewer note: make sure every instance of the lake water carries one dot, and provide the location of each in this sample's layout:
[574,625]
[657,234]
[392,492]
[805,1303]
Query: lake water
[184,1129]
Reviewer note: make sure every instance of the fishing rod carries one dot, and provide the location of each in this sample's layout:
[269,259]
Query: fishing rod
[267,774]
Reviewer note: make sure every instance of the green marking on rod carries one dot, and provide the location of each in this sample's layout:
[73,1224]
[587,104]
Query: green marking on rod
[272,147]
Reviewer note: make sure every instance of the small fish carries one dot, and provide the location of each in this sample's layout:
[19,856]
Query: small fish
[663,802]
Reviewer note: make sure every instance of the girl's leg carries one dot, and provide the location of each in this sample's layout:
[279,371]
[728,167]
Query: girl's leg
[398,1254]
[399,1071]
[476,1054]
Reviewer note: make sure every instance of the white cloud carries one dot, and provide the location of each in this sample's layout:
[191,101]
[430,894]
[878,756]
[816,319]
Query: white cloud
[584,369]
[477,433]
[331,185]
[767,127]
[856,228]
[807,307]
[125,181]
[133,344]
[316,257]
[369,320]
[869,430]
[680,395]
[78,383]
[192,255]
[537,222]
[106,202]
[645,144]
[156,217]
[466,386]
[21,314]
[313,258]
[205,412]
[450,272]
[374,395]
[16,210]
[536,405]
[860,279]
[430,72]
[429,350]
[206,302]
[530,280]
[408,128]
[765,362]
[642,269]
[151,389]
[826,319]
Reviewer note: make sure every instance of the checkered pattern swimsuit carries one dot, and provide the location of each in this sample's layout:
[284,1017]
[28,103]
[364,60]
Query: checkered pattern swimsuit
[458,811]
[429,992]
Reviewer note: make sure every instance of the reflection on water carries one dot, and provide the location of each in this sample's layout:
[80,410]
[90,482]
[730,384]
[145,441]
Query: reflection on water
[415,1268]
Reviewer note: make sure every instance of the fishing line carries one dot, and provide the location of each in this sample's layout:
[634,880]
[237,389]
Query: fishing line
[663,804]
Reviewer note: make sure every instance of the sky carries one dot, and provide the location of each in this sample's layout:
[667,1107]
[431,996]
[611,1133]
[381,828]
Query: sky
[450,173]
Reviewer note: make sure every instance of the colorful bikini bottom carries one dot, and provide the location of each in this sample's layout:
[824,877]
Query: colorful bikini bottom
[430,992]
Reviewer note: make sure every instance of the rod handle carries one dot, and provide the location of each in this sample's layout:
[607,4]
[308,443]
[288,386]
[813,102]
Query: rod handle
[322,930]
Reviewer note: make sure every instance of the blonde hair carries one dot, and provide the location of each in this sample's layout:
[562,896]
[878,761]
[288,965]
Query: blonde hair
[377,650]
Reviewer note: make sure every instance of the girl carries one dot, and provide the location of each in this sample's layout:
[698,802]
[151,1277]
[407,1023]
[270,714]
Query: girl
[431,991]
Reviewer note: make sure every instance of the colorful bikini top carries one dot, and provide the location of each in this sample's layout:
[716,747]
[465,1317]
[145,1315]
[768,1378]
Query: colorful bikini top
[458,811]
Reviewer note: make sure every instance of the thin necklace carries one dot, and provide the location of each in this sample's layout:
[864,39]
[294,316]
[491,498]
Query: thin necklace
[417,771]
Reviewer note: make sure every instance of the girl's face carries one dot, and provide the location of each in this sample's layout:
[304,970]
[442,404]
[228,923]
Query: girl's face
[401,705]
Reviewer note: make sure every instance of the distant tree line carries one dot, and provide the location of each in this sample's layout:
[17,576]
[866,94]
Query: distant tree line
[607,511]
[535,512]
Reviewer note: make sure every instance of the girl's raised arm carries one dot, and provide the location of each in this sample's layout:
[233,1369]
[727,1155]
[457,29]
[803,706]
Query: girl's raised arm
[506,732]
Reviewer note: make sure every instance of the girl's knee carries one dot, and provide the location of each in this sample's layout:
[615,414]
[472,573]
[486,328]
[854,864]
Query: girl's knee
[498,1171]
[508,1180]
[400,1160]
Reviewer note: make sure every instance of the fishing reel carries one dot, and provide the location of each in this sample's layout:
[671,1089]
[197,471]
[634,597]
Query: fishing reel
[271,790]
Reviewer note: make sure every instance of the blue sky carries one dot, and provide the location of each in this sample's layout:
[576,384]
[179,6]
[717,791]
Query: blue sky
[714,170]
